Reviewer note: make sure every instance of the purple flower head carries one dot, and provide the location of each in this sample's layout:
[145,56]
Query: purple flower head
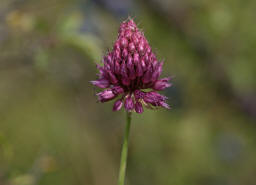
[129,69]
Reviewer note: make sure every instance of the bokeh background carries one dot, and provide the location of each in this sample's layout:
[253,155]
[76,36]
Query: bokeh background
[53,131]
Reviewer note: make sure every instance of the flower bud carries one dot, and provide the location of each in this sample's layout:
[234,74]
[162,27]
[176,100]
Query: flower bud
[143,65]
[123,70]
[126,81]
[117,46]
[131,47]
[148,50]
[138,94]
[135,39]
[129,62]
[161,84]
[147,76]
[118,105]
[157,70]
[136,58]
[106,95]
[125,53]
[107,66]
[128,104]
[154,98]
[164,104]
[139,70]
[117,90]
[101,83]
[132,74]
[128,34]
[117,67]
[146,58]
[124,42]
[141,48]
[138,107]
[112,77]
[117,54]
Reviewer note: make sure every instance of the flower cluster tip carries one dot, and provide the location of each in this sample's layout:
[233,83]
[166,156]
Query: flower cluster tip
[129,69]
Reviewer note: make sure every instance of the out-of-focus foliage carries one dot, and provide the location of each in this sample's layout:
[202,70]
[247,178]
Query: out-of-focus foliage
[53,131]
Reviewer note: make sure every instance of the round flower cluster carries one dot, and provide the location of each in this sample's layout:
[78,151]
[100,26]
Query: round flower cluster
[129,70]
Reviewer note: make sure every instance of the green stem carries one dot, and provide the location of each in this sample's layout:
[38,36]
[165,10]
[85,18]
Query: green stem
[124,152]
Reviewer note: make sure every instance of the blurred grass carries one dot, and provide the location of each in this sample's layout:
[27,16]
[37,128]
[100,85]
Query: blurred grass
[52,131]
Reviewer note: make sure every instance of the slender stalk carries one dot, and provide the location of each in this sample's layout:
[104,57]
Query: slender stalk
[124,152]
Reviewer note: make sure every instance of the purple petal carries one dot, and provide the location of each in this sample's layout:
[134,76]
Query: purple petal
[112,77]
[123,42]
[131,47]
[117,67]
[154,98]
[131,24]
[130,66]
[123,69]
[117,90]
[143,65]
[126,81]
[141,47]
[138,107]
[138,94]
[139,70]
[157,71]
[132,74]
[166,79]
[128,33]
[155,64]
[125,53]
[102,73]
[165,105]
[107,66]
[152,57]
[118,105]
[128,104]
[106,95]
[102,83]
[117,54]
[147,76]
[148,50]
[110,61]
[129,62]
[136,58]
[117,46]
[135,39]
[161,84]
[146,58]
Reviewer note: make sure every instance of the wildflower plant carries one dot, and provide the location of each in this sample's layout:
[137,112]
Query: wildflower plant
[130,74]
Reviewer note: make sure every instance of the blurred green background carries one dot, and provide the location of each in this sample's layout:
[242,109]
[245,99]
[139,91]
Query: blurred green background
[53,131]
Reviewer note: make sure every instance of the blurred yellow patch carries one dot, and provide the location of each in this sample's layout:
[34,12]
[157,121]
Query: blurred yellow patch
[47,164]
[23,180]
[20,21]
